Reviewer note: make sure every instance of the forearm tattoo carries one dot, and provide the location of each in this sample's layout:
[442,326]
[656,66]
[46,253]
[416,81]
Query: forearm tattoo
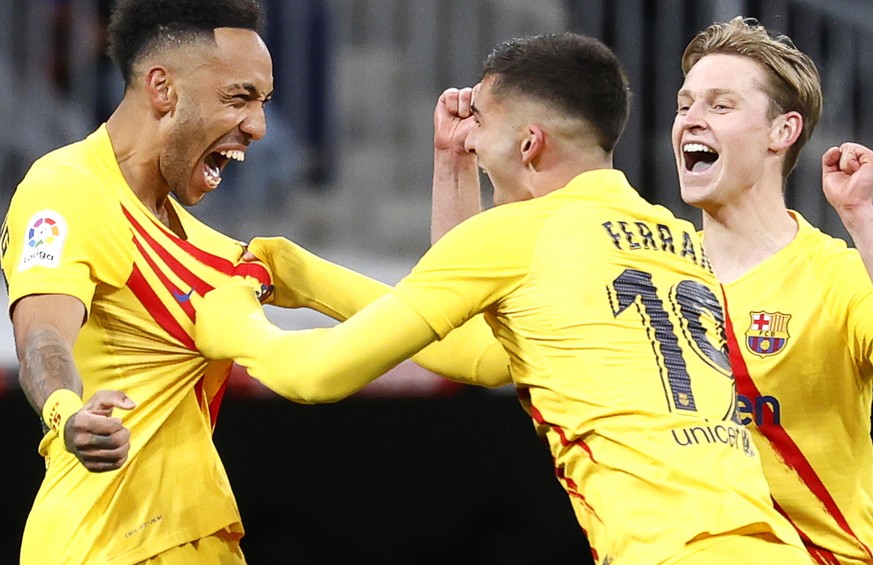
[46,365]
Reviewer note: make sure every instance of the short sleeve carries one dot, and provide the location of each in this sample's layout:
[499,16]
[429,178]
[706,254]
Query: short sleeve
[64,233]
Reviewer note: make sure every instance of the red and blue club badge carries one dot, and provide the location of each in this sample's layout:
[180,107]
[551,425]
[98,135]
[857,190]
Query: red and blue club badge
[768,333]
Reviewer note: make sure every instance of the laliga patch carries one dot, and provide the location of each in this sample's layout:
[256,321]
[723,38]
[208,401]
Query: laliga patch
[768,333]
[43,240]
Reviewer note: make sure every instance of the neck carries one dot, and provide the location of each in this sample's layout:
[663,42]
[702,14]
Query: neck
[742,234]
[135,141]
[548,175]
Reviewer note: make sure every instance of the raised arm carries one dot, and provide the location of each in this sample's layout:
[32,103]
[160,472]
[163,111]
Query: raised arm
[45,328]
[847,181]
[456,193]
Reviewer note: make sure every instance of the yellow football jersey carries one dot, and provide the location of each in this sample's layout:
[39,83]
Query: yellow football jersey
[75,227]
[801,348]
[613,322]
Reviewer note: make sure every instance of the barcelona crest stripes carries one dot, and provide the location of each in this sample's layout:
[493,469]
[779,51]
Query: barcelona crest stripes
[767,333]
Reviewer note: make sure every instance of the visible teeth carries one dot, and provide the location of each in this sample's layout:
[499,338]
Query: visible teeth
[234,154]
[213,181]
[696,147]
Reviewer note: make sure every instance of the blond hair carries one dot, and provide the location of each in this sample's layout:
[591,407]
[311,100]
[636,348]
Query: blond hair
[793,82]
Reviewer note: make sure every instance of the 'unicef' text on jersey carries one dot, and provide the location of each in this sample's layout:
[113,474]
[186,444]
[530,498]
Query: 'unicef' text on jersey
[730,435]
[640,236]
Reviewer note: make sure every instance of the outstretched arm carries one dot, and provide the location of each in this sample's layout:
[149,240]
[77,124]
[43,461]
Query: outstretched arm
[309,366]
[45,328]
[456,194]
[847,181]
[470,354]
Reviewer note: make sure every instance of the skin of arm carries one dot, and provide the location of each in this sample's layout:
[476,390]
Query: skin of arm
[45,328]
[456,193]
[470,354]
[847,181]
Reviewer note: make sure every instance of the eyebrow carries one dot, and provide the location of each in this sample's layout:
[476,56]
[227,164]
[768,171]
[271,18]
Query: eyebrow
[252,90]
[710,92]
[474,109]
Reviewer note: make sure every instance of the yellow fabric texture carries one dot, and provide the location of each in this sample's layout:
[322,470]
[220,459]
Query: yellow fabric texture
[611,319]
[76,228]
[221,548]
[802,325]
[469,354]
[307,366]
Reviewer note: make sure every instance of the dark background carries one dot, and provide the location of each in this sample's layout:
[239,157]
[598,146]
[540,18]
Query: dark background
[457,479]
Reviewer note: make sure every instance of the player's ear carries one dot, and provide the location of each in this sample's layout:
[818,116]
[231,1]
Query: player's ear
[785,130]
[533,144]
[160,89]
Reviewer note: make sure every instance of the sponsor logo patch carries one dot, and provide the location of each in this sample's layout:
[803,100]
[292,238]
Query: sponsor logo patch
[43,240]
[768,333]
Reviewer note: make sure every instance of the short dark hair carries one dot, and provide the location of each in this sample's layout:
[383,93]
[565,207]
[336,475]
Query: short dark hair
[139,27]
[577,74]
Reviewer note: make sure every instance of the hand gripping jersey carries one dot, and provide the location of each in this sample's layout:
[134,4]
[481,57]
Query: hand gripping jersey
[613,322]
[801,348]
[74,227]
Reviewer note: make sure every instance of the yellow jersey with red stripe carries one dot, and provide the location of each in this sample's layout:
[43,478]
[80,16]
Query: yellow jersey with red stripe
[74,227]
[613,322]
[801,345]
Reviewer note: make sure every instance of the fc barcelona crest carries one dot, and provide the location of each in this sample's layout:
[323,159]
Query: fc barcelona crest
[768,333]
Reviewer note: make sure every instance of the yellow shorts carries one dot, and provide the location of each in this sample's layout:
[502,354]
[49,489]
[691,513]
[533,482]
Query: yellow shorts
[756,549]
[221,548]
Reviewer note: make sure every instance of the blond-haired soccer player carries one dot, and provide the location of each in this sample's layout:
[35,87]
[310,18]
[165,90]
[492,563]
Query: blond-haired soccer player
[604,303]
[799,302]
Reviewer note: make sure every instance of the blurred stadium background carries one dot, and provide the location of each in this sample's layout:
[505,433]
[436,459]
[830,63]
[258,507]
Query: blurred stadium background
[413,469]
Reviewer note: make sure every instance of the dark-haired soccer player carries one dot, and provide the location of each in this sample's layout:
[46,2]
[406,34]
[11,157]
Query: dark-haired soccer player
[604,303]
[102,264]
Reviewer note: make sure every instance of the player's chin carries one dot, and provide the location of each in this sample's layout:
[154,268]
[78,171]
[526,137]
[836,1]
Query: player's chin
[192,196]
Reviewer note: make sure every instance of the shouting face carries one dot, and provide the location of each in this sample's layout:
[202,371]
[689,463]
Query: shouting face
[219,111]
[723,131]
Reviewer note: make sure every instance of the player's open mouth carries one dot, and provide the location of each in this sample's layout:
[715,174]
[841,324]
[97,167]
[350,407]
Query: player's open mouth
[215,162]
[698,157]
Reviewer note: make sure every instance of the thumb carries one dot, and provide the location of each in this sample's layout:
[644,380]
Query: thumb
[104,401]
[831,159]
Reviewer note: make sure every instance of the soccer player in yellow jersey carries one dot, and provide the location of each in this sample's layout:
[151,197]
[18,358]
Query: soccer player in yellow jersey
[605,305]
[799,302]
[102,265]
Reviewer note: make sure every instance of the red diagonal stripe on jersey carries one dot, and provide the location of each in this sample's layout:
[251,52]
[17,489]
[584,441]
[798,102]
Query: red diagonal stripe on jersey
[215,404]
[780,440]
[197,284]
[157,309]
[218,263]
[819,555]
[174,290]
